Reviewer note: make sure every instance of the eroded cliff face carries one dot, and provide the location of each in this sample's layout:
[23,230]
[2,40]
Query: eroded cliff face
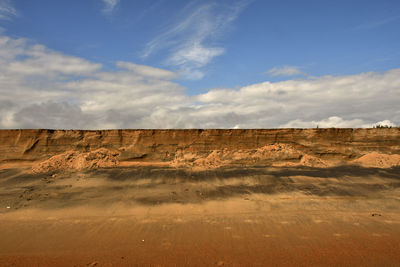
[49,150]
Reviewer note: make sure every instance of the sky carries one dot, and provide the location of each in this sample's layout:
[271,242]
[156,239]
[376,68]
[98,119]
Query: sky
[107,64]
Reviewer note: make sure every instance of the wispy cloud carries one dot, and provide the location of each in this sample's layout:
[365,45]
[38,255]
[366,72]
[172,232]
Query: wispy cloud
[110,6]
[191,42]
[146,71]
[375,24]
[285,71]
[149,9]
[7,11]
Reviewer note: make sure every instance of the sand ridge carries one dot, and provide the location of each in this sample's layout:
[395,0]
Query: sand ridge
[73,160]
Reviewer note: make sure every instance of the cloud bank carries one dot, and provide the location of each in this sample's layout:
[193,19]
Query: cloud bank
[43,88]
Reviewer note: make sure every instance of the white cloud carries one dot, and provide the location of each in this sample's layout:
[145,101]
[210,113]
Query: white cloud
[7,11]
[381,123]
[147,70]
[42,88]
[191,41]
[109,6]
[333,121]
[195,54]
[35,82]
[42,61]
[285,71]
[357,99]
[53,115]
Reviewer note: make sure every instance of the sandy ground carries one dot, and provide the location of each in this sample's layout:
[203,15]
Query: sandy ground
[160,216]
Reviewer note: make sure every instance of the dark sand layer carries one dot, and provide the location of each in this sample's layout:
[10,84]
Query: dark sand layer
[160,216]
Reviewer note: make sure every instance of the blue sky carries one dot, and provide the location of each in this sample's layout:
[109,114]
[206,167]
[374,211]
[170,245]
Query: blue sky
[203,58]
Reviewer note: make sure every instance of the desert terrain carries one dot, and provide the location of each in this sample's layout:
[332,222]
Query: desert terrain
[284,197]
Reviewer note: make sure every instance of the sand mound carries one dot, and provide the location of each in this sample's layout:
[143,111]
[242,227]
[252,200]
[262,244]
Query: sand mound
[274,154]
[73,160]
[198,162]
[306,161]
[277,152]
[212,161]
[378,160]
[268,152]
[311,161]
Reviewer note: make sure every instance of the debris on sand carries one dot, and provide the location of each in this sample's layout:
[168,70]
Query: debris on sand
[312,161]
[73,160]
[212,161]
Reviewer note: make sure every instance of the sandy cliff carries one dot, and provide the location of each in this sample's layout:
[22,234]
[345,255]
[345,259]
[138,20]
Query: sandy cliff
[48,150]
[287,197]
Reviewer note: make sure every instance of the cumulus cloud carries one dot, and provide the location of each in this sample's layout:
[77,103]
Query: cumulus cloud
[43,88]
[42,61]
[109,6]
[191,43]
[52,115]
[285,71]
[369,97]
[7,11]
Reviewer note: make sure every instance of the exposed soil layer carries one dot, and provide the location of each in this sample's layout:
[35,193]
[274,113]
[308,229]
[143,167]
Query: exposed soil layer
[52,150]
